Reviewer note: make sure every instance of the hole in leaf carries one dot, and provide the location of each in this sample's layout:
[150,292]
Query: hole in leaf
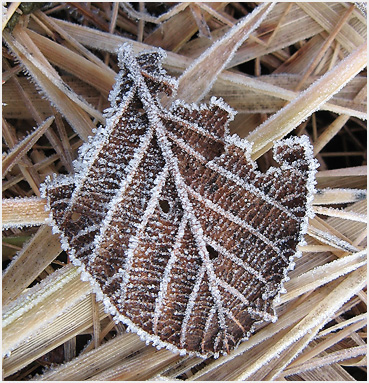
[213,254]
[164,206]
[75,216]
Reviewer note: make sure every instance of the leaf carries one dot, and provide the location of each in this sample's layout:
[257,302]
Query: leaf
[180,235]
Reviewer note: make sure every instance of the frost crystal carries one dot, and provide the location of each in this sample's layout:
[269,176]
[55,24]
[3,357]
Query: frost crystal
[179,234]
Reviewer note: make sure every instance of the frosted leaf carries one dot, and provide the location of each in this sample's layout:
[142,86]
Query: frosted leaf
[179,233]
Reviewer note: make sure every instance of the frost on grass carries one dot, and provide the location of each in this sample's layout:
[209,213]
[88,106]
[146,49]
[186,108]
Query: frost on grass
[180,235]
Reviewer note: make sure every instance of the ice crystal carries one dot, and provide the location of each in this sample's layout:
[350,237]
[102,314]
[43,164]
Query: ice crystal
[182,238]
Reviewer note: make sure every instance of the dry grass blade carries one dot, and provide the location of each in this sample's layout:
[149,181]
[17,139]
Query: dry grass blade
[62,330]
[219,55]
[173,33]
[308,102]
[328,19]
[322,275]
[349,172]
[331,239]
[261,341]
[333,357]
[151,19]
[336,125]
[106,356]
[40,305]
[236,86]
[102,78]
[48,24]
[24,146]
[316,319]
[325,46]
[287,69]
[139,367]
[10,11]
[269,93]
[28,173]
[30,262]
[280,363]
[328,342]
[23,212]
[358,318]
[338,196]
[73,112]
[101,40]
[330,212]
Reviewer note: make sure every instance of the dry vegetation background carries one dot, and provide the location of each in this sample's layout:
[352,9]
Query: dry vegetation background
[59,65]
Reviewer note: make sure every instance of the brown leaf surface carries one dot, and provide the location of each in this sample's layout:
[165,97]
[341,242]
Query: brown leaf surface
[68,53]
